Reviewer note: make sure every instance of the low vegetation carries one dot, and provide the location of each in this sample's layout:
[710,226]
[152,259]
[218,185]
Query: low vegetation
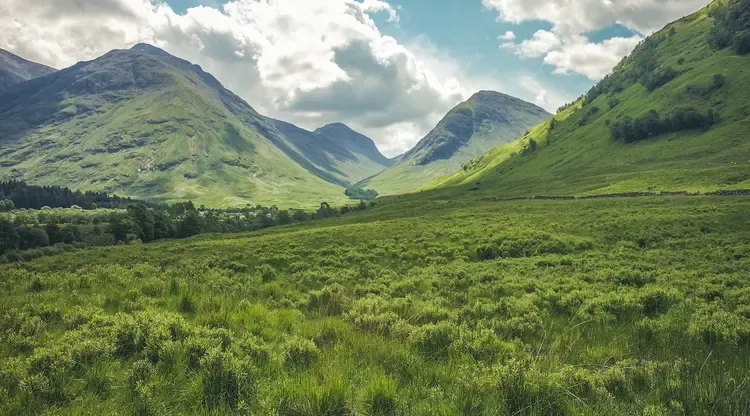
[616,306]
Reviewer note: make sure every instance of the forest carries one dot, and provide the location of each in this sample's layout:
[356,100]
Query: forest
[29,233]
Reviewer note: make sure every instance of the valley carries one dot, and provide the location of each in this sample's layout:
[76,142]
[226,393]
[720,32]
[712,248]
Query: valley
[165,249]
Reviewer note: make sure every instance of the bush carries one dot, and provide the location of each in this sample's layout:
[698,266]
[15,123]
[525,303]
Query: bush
[331,300]
[225,380]
[381,397]
[300,352]
[266,272]
[434,340]
[630,130]
[187,304]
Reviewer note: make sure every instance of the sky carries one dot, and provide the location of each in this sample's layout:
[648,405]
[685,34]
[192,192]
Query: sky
[387,68]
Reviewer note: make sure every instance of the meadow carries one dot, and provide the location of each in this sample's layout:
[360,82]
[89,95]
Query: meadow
[421,306]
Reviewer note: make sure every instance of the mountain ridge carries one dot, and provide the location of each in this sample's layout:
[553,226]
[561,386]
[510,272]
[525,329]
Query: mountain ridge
[143,123]
[15,69]
[483,121]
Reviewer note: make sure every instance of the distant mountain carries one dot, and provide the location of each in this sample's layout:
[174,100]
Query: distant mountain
[344,155]
[486,120]
[14,70]
[143,123]
[346,138]
[396,159]
[672,116]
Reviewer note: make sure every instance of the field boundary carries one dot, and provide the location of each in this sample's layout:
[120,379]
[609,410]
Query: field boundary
[728,192]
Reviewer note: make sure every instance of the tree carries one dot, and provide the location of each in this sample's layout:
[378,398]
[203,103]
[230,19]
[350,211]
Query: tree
[326,211]
[32,238]
[164,226]
[190,225]
[531,146]
[7,205]
[9,237]
[145,220]
[284,218]
[121,226]
[53,232]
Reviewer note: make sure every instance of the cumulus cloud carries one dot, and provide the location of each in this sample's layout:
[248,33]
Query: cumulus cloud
[308,62]
[594,60]
[509,35]
[540,44]
[567,49]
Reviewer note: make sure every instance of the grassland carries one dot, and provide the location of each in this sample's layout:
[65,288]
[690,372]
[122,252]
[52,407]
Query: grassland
[421,306]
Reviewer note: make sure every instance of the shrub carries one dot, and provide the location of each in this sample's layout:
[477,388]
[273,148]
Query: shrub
[187,304]
[225,380]
[488,252]
[266,272]
[300,352]
[331,300]
[140,372]
[381,397]
[434,340]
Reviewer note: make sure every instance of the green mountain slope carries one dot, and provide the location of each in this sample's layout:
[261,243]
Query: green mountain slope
[14,70]
[678,71]
[484,121]
[143,123]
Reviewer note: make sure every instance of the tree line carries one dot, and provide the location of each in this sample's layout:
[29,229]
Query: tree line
[17,194]
[142,223]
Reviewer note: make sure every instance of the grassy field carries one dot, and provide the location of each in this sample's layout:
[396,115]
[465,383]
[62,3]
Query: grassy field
[417,307]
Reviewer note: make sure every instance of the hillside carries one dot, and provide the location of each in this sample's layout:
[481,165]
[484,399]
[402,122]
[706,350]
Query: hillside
[695,139]
[145,124]
[14,70]
[473,127]
[345,155]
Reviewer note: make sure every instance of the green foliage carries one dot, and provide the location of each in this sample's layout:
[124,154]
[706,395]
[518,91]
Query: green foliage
[630,130]
[421,306]
[357,192]
[732,26]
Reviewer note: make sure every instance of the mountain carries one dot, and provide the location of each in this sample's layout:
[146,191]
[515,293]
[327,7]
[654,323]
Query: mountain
[345,155]
[673,116]
[14,70]
[143,123]
[484,121]
[346,138]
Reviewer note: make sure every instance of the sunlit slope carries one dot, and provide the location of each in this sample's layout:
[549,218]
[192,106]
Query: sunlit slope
[580,156]
[484,121]
[143,123]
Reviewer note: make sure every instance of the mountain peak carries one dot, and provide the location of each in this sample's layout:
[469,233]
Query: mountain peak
[347,138]
[150,49]
[15,69]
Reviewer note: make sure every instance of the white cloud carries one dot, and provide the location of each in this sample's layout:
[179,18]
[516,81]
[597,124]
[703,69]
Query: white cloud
[380,6]
[509,35]
[308,62]
[570,19]
[539,45]
[594,60]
